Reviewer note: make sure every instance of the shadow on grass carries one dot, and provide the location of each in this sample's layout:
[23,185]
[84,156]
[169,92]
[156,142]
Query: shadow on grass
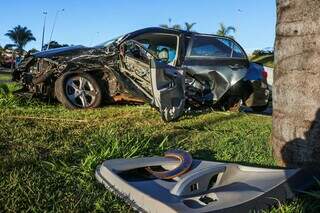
[208,155]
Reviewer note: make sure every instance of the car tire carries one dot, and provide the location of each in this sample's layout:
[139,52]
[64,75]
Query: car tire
[79,90]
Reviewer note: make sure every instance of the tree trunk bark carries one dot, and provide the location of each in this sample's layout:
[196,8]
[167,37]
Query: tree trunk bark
[296,95]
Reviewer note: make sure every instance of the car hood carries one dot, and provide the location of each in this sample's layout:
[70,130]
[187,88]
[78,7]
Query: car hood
[63,51]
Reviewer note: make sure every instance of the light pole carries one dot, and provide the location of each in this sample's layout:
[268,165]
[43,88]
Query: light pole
[54,24]
[44,28]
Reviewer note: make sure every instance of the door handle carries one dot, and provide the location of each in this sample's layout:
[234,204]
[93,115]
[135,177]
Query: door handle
[236,67]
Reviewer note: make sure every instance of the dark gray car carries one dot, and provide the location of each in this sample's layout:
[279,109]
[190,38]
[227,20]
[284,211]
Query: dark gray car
[171,69]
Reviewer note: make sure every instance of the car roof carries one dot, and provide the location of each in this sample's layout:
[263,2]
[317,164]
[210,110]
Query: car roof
[156,30]
[169,31]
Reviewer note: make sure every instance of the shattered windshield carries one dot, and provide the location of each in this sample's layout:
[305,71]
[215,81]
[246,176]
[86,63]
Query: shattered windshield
[109,42]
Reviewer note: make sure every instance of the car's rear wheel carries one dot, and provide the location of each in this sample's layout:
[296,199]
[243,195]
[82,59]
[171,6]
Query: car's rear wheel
[78,90]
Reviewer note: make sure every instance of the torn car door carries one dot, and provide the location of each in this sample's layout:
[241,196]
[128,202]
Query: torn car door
[168,86]
[162,83]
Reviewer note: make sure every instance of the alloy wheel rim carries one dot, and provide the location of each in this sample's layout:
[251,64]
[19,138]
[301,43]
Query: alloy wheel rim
[80,91]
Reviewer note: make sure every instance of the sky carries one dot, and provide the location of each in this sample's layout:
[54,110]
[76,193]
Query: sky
[90,22]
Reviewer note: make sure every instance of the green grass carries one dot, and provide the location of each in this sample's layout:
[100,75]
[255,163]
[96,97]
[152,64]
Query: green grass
[5,77]
[48,154]
[266,60]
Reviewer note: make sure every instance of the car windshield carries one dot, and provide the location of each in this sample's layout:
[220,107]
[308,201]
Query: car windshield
[109,42]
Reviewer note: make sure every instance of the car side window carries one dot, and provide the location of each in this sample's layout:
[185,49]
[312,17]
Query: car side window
[216,47]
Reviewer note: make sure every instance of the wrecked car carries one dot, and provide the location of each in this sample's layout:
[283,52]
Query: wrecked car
[172,70]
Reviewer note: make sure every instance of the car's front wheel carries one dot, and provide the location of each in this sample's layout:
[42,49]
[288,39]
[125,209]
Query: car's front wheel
[78,90]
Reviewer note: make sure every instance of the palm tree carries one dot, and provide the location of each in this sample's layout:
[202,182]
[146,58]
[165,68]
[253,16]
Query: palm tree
[20,36]
[176,27]
[164,26]
[189,26]
[168,26]
[225,31]
[296,103]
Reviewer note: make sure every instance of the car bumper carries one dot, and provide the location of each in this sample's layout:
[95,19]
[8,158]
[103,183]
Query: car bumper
[260,95]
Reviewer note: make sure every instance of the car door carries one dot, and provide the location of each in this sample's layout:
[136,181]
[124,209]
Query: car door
[217,63]
[161,83]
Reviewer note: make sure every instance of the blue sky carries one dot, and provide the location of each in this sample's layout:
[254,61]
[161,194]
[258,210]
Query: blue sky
[90,22]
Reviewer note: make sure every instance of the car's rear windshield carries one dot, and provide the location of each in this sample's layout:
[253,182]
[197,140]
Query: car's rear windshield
[209,46]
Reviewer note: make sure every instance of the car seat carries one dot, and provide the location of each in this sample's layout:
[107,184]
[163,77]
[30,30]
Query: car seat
[163,55]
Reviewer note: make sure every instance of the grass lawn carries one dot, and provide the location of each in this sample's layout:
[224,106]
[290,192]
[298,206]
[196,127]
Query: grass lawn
[48,154]
[5,77]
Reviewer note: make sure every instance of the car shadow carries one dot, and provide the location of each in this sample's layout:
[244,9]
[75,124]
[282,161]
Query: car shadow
[248,110]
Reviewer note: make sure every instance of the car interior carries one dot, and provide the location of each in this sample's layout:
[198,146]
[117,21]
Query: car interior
[164,46]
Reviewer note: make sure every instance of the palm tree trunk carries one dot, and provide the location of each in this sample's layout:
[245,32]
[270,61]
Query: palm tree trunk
[296,117]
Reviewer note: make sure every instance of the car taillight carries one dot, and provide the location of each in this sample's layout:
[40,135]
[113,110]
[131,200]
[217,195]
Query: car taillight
[264,74]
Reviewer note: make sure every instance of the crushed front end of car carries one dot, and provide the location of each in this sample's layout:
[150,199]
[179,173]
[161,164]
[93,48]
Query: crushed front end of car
[38,72]
[118,77]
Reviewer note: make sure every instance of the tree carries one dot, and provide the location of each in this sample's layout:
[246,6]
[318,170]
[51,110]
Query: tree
[175,26]
[168,26]
[189,26]
[54,44]
[262,52]
[225,31]
[1,56]
[20,36]
[9,46]
[296,114]
[33,50]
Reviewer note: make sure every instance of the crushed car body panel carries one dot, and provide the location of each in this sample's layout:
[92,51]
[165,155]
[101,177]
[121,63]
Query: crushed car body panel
[59,51]
[214,76]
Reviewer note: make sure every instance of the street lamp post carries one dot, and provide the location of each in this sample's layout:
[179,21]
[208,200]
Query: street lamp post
[44,28]
[54,24]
